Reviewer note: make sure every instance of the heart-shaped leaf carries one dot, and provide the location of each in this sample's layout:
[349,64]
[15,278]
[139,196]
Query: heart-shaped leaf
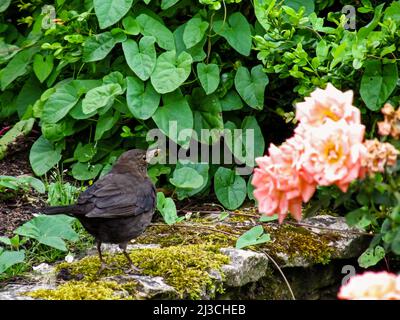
[209,76]
[170,71]
[42,66]
[252,237]
[194,32]
[230,188]
[110,12]
[186,178]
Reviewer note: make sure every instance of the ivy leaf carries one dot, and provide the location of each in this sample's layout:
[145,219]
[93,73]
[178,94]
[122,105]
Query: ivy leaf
[175,111]
[43,156]
[165,4]
[371,257]
[207,115]
[297,4]
[230,188]
[252,237]
[197,51]
[167,208]
[231,101]
[186,178]
[49,230]
[97,47]
[378,82]
[10,258]
[171,71]
[100,97]
[251,87]
[152,27]
[142,102]
[237,32]
[17,67]
[105,122]
[85,171]
[202,169]
[84,152]
[60,102]
[131,26]
[141,59]
[110,12]
[42,66]
[209,76]
[194,31]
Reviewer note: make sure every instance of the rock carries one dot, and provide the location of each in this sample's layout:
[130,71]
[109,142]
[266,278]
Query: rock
[245,266]
[148,287]
[350,242]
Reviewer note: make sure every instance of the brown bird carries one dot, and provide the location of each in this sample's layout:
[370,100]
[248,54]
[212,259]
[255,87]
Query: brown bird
[119,206]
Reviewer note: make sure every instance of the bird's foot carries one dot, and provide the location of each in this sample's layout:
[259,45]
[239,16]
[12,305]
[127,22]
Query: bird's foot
[104,266]
[133,270]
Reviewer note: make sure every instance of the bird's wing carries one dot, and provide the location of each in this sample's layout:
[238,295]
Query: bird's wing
[116,196]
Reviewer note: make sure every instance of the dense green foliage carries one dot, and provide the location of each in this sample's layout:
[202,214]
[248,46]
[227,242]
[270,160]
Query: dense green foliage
[98,75]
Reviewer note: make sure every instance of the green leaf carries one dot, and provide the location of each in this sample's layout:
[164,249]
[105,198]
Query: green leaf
[131,26]
[153,27]
[251,87]
[297,4]
[98,46]
[378,82]
[197,52]
[207,115]
[33,182]
[177,111]
[4,4]
[165,4]
[371,257]
[10,258]
[85,171]
[209,76]
[84,152]
[202,169]
[230,188]
[60,102]
[167,208]
[393,12]
[231,101]
[28,95]
[42,66]
[194,32]
[142,102]
[236,31]
[49,230]
[106,122]
[110,12]
[43,156]
[6,241]
[171,71]
[252,237]
[141,59]
[186,178]
[249,144]
[359,218]
[100,97]
[395,246]
[17,67]
[265,218]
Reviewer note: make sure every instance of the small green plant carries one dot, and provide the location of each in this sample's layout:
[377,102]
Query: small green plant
[21,183]
[254,236]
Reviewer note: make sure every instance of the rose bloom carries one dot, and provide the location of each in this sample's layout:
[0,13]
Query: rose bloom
[371,286]
[280,184]
[329,104]
[333,153]
[378,156]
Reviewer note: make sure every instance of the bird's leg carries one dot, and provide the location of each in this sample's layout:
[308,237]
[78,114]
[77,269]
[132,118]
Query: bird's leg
[102,263]
[133,269]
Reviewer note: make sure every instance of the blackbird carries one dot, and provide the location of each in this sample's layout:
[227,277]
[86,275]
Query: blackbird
[119,206]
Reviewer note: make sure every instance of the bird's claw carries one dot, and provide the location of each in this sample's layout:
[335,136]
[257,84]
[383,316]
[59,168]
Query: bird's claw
[133,270]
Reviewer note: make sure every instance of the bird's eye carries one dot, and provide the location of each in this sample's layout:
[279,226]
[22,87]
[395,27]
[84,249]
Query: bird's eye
[144,157]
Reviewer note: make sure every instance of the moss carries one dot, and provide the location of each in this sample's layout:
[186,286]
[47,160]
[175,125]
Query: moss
[167,236]
[84,290]
[183,267]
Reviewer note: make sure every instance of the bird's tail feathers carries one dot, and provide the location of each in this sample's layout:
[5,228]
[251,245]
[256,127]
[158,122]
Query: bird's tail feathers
[68,210]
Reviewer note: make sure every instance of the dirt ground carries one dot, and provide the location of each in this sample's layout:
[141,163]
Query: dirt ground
[15,209]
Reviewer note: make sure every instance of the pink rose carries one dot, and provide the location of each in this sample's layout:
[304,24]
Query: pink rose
[329,104]
[333,153]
